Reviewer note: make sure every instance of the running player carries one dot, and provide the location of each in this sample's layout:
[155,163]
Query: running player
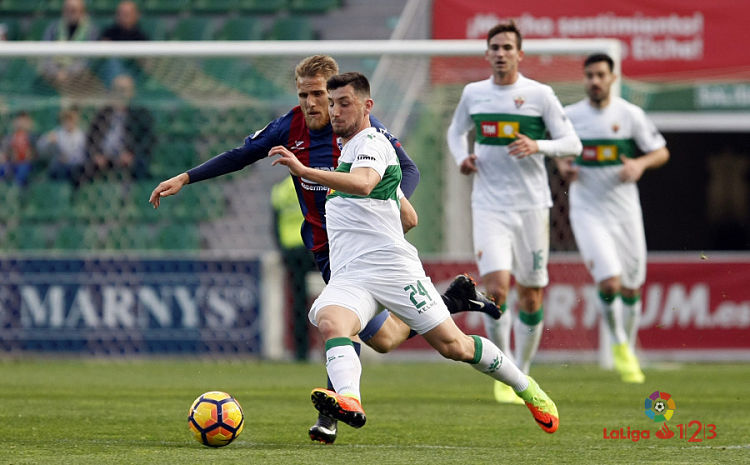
[510,201]
[605,210]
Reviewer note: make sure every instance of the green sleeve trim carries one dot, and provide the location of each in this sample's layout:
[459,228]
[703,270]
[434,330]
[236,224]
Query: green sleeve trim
[532,319]
[631,300]
[477,350]
[338,341]
[387,188]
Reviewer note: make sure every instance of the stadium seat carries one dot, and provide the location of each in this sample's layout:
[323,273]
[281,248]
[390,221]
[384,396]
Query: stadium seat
[155,27]
[137,207]
[11,201]
[215,6]
[240,28]
[47,201]
[262,6]
[22,7]
[52,8]
[130,236]
[292,28]
[28,236]
[98,201]
[193,28]
[102,6]
[173,157]
[165,6]
[179,236]
[77,237]
[36,28]
[313,6]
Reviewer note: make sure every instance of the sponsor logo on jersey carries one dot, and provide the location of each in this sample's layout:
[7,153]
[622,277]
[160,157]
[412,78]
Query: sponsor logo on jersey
[365,157]
[501,129]
[298,145]
[599,153]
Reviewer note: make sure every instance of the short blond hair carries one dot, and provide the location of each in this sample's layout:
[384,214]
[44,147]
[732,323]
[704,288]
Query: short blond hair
[316,65]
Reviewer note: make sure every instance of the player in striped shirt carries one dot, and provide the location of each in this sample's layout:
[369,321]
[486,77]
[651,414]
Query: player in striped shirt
[605,210]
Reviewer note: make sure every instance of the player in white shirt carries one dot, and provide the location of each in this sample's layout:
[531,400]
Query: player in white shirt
[372,265]
[511,198]
[605,209]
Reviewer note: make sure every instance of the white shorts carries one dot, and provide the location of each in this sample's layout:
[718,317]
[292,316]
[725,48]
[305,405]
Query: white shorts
[515,241]
[405,290]
[611,248]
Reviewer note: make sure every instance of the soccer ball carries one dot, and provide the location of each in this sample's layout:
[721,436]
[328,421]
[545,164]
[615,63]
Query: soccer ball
[659,406]
[215,419]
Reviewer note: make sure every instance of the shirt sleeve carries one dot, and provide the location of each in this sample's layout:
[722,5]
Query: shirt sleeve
[563,139]
[372,155]
[459,127]
[255,147]
[646,135]
[409,171]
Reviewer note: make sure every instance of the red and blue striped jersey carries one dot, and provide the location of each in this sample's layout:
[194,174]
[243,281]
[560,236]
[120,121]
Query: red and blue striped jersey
[314,148]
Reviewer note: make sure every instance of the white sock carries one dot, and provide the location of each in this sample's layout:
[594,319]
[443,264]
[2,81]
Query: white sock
[498,331]
[490,360]
[612,313]
[343,366]
[528,332]
[631,319]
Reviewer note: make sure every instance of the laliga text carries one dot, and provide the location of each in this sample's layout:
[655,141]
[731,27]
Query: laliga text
[694,431]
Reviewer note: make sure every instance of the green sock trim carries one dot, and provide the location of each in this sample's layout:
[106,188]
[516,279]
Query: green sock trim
[631,300]
[532,319]
[338,341]
[477,350]
[503,308]
[609,298]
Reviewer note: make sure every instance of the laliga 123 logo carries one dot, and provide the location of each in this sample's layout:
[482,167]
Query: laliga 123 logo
[660,407]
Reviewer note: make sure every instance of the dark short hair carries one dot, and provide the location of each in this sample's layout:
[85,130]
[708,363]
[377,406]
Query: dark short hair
[505,27]
[597,57]
[358,81]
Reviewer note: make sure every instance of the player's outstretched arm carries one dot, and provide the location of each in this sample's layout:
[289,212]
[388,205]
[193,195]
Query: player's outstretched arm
[169,187]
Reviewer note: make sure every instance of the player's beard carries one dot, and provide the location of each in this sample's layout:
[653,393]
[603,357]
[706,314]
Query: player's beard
[346,132]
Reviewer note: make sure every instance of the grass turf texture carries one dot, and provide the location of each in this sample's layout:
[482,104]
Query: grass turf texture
[102,412]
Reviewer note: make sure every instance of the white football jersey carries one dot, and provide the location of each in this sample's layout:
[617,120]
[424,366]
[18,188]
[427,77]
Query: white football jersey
[607,134]
[357,225]
[498,113]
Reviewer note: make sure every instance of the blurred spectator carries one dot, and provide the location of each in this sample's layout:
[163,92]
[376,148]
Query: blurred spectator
[17,150]
[65,147]
[125,27]
[298,261]
[120,137]
[75,25]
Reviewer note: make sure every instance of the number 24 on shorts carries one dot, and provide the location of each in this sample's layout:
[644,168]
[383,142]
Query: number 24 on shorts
[417,294]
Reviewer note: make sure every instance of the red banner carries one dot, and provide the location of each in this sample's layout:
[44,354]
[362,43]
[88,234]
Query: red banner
[690,303]
[662,38]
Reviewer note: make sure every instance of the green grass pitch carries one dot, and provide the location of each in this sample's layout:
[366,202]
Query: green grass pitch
[65,411]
